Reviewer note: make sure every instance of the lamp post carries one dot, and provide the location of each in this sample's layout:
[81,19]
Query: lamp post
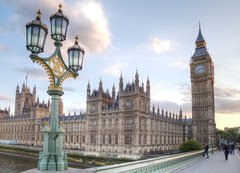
[53,158]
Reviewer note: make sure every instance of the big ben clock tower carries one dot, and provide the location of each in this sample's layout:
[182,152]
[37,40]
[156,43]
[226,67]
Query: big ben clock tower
[203,107]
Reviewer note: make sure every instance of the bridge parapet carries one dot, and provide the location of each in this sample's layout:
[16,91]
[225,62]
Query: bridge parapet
[163,164]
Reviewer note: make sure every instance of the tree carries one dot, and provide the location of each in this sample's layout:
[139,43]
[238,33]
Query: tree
[190,145]
[222,134]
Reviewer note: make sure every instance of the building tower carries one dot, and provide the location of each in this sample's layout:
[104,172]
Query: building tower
[203,107]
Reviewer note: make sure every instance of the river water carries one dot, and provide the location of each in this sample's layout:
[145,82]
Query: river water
[11,163]
[16,164]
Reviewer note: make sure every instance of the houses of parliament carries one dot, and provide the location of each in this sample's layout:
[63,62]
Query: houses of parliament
[121,122]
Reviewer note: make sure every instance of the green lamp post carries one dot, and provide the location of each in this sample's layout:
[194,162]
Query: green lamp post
[52,157]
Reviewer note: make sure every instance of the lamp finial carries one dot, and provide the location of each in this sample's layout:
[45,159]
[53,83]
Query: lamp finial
[38,15]
[60,8]
[76,39]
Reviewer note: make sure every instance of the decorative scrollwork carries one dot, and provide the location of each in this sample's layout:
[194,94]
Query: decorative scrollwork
[46,68]
[56,66]
[68,75]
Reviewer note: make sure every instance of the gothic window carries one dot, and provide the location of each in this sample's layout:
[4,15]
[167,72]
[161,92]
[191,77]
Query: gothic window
[109,139]
[127,139]
[139,139]
[104,123]
[93,139]
[110,124]
[83,138]
[116,138]
[103,139]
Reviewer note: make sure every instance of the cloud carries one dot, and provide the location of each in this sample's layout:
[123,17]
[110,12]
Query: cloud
[37,73]
[227,99]
[70,89]
[158,45]
[3,48]
[87,19]
[172,107]
[185,90]
[5,97]
[180,65]
[115,69]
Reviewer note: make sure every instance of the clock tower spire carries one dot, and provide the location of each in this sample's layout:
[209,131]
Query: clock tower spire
[202,80]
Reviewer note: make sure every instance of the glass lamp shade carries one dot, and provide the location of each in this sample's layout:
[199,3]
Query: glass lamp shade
[75,56]
[59,24]
[36,33]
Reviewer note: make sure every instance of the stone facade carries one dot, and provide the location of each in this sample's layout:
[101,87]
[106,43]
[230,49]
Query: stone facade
[203,107]
[26,125]
[4,113]
[121,123]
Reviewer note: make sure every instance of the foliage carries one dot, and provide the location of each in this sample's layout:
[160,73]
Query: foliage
[222,134]
[230,134]
[190,145]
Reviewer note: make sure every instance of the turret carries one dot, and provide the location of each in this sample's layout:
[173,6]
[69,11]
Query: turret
[113,92]
[88,90]
[38,101]
[17,89]
[153,109]
[162,112]
[100,88]
[136,82]
[121,84]
[23,87]
[142,87]
[148,87]
[9,110]
[180,114]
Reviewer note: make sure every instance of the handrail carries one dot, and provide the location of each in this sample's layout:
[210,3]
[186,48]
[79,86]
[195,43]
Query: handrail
[163,162]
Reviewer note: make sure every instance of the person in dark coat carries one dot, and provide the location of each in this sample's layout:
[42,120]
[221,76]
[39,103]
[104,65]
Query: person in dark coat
[206,150]
[226,151]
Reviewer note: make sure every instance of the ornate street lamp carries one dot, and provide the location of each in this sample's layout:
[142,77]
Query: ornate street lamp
[53,158]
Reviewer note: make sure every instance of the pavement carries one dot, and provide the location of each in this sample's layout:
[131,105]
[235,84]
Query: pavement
[216,163]
[69,170]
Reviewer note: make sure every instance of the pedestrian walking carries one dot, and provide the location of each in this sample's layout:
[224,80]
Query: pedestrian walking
[206,150]
[226,151]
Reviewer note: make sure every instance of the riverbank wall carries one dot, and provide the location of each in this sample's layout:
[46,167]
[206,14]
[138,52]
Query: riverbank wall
[75,158]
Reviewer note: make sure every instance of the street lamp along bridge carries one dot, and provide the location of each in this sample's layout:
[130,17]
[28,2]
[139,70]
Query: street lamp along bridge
[52,157]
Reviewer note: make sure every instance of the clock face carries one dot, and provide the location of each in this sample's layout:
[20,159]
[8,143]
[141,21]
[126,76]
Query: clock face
[200,69]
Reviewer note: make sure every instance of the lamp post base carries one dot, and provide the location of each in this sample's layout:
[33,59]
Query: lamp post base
[49,162]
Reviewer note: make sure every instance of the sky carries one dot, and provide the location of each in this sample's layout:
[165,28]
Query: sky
[154,37]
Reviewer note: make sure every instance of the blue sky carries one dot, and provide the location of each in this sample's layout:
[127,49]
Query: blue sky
[155,37]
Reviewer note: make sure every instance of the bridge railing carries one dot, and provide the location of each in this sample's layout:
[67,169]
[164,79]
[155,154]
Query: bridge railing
[163,164]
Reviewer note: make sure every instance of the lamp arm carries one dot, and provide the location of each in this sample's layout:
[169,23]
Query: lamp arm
[55,67]
[43,63]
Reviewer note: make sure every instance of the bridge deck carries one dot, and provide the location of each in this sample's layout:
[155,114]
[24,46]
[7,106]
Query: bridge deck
[216,164]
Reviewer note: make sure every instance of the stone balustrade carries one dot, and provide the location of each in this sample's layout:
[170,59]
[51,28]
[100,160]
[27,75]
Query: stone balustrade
[167,164]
